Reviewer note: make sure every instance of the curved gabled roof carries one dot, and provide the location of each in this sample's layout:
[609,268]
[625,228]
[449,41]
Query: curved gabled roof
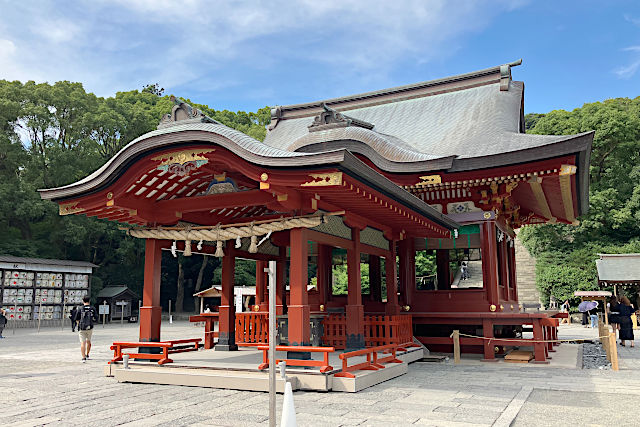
[248,149]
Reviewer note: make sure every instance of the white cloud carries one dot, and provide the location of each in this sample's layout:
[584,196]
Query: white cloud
[123,44]
[628,71]
[633,20]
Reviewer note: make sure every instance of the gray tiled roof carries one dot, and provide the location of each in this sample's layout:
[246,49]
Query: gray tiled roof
[62,262]
[619,268]
[114,291]
[470,122]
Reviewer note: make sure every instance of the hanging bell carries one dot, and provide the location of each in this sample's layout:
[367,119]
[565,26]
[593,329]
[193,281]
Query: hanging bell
[253,247]
[187,248]
[219,252]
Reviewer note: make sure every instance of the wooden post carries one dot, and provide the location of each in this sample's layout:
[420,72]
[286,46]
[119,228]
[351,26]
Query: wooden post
[456,346]
[613,350]
[489,262]
[281,294]
[375,278]
[324,273]
[354,309]
[299,319]
[391,308]
[442,269]
[227,319]
[512,270]
[151,311]
[261,285]
[487,332]
[407,255]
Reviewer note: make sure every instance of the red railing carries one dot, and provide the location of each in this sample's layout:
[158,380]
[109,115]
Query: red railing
[335,331]
[373,362]
[252,328]
[378,330]
[323,364]
[167,347]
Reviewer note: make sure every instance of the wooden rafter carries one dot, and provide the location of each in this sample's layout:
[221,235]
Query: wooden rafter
[536,188]
[565,190]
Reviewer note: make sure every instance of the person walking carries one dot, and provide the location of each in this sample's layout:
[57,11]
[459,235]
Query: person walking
[625,310]
[72,316]
[3,320]
[85,317]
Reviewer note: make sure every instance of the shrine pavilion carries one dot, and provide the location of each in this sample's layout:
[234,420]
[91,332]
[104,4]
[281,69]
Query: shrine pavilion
[441,170]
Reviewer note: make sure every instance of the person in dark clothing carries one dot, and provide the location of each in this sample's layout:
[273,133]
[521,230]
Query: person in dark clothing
[3,320]
[72,316]
[613,313]
[624,318]
[85,317]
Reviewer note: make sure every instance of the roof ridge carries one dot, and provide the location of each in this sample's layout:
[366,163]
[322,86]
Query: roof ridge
[398,89]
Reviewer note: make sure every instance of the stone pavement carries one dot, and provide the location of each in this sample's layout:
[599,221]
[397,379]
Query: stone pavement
[42,381]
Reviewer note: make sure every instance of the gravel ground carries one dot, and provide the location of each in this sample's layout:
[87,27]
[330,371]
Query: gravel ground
[594,357]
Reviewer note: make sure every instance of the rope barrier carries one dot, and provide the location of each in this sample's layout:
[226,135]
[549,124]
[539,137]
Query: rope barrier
[529,340]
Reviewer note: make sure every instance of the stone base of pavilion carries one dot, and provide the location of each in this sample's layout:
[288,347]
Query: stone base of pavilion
[238,370]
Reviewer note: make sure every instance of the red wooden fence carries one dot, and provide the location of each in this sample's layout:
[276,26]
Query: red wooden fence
[378,330]
[252,328]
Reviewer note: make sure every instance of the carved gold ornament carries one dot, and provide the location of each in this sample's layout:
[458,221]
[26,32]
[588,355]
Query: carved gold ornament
[323,179]
[429,180]
[69,208]
[184,161]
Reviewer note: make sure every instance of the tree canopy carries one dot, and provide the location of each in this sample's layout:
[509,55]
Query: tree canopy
[56,134]
[566,254]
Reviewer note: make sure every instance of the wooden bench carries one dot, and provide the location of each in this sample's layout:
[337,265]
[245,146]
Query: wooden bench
[166,348]
[373,362]
[323,364]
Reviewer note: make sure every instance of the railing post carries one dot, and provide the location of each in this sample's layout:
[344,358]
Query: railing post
[456,346]
[613,350]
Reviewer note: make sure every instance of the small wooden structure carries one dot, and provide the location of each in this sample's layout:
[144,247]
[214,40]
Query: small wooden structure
[601,296]
[122,301]
[241,294]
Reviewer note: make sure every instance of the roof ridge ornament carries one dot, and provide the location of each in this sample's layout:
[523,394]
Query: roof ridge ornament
[505,74]
[331,118]
[183,113]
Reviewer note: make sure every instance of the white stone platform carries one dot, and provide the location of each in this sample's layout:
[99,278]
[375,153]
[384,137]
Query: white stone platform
[238,370]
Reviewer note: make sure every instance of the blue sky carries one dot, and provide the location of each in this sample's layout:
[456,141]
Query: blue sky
[244,55]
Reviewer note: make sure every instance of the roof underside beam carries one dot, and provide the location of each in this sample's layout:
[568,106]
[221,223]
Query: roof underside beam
[565,190]
[542,206]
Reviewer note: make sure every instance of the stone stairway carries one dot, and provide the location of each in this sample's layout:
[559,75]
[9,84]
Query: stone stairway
[526,275]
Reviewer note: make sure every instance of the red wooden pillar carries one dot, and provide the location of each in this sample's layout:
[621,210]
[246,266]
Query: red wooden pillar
[298,310]
[227,325]
[392,307]
[503,269]
[375,279]
[281,266]
[512,271]
[354,309]
[407,253]
[489,262]
[261,286]
[442,269]
[487,331]
[151,311]
[539,348]
[324,273]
